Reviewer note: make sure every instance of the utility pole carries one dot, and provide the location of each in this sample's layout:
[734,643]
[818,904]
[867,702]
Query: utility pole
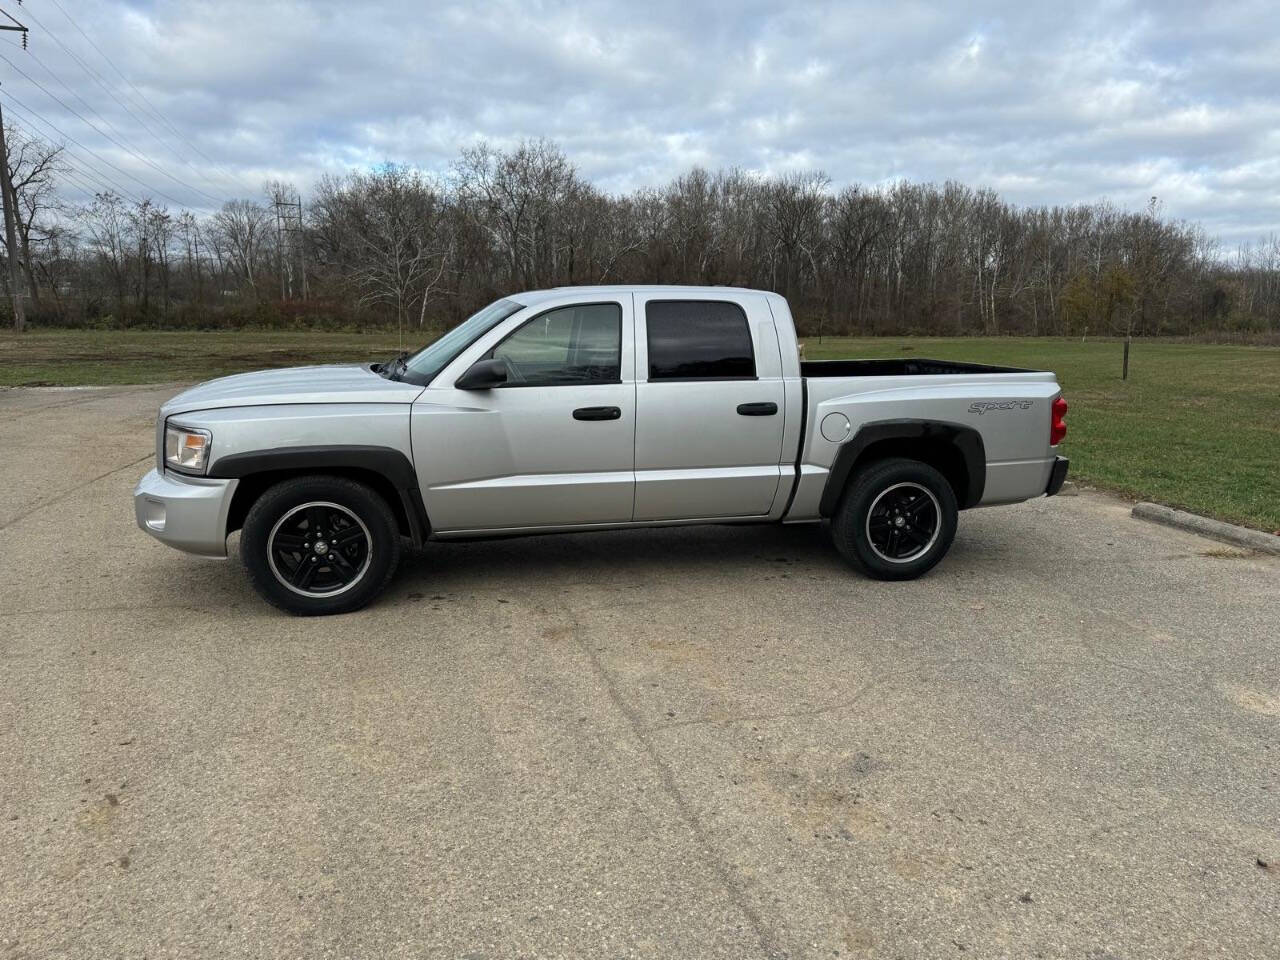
[11,205]
[10,234]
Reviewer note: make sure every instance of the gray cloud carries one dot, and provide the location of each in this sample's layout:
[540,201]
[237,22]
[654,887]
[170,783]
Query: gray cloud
[1064,103]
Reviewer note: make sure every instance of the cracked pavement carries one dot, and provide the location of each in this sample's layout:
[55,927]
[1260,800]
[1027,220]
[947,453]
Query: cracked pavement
[712,742]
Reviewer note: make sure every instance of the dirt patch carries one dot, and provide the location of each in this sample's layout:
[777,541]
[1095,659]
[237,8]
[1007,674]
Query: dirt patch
[1255,701]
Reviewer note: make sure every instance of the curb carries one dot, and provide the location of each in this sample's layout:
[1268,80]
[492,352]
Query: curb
[1216,529]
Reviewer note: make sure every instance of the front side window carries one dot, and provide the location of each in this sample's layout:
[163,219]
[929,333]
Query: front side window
[577,344]
[698,340]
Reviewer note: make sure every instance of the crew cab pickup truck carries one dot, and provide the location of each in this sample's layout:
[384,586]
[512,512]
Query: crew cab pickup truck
[591,408]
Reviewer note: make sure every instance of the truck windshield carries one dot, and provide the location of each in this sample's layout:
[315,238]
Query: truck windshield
[423,366]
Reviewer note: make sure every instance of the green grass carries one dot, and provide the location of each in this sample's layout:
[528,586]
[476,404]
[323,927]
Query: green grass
[1195,426]
[97,357]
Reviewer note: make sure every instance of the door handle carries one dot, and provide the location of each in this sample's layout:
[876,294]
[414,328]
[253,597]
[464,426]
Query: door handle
[598,413]
[766,409]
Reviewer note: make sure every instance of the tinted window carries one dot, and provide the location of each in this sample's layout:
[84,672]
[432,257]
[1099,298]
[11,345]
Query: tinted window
[698,340]
[578,344]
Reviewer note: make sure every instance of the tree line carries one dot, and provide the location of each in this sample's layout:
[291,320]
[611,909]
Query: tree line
[398,245]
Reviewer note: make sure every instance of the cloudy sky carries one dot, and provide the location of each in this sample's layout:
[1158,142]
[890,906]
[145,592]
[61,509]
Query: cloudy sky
[1046,103]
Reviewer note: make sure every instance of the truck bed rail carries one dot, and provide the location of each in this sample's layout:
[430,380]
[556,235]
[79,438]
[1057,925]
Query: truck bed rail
[899,367]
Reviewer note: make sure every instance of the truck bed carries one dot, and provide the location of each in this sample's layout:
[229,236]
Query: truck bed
[898,367]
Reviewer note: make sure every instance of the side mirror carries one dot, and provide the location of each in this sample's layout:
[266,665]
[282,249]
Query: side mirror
[482,375]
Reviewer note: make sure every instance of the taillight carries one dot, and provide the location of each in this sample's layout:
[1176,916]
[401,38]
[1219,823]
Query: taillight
[1058,423]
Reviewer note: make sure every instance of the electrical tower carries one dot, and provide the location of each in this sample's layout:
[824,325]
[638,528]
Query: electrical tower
[290,245]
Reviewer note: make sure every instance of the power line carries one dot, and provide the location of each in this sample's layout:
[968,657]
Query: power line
[102,178]
[52,75]
[78,178]
[62,103]
[141,96]
[97,180]
[101,82]
[92,74]
[86,169]
[101,159]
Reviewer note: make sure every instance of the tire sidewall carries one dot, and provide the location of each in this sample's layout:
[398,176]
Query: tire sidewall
[849,525]
[275,502]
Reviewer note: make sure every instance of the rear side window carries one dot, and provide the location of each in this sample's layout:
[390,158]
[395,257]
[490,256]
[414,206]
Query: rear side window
[698,340]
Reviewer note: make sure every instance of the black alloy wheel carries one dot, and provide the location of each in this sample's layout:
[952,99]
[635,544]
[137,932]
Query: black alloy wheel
[903,522]
[896,519]
[316,545]
[319,549]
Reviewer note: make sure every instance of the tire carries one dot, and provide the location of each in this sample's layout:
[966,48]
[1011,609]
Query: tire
[896,520]
[358,545]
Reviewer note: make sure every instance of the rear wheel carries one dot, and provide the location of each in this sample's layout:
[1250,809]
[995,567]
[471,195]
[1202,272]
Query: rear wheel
[319,545]
[897,519]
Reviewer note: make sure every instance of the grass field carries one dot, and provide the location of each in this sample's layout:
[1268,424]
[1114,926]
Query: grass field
[98,357]
[1195,426]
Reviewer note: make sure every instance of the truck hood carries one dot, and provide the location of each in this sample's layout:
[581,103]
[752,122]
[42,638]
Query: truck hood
[336,383]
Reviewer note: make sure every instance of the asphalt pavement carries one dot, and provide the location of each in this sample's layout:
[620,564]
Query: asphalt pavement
[686,743]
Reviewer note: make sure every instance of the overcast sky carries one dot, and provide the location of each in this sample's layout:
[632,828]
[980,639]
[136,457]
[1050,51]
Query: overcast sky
[1065,102]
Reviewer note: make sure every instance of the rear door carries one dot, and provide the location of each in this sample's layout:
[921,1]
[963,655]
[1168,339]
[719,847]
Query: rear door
[709,406]
[552,447]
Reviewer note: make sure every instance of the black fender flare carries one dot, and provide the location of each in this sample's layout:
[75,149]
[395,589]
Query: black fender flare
[389,463]
[966,440]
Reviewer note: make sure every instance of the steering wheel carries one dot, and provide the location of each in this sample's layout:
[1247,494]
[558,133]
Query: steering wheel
[513,372]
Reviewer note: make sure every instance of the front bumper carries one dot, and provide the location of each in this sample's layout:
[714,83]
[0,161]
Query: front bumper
[189,513]
[1057,475]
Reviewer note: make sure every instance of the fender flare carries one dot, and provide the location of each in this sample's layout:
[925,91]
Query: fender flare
[389,463]
[966,440]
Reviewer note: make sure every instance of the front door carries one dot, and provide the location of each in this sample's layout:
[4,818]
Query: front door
[554,446]
[709,398]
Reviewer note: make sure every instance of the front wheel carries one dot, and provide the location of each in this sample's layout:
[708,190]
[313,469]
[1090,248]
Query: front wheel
[897,519]
[320,545]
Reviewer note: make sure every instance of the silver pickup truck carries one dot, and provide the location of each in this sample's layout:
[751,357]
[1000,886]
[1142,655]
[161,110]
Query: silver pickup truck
[591,408]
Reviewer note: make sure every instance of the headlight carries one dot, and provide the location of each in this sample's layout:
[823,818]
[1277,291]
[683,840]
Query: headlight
[186,449]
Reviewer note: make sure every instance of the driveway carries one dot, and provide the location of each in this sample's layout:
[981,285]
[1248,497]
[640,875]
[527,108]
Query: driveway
[716,742]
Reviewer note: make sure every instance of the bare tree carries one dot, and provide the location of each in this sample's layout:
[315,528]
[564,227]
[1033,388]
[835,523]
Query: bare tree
[160,235]
[793,211]
[34,168]
[387,234]
[242,226]
[394,243]
[516,197]
[105,222]
[189,228]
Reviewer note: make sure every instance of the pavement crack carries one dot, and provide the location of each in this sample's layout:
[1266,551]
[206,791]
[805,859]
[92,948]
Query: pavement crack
[737,893]
[76,489]
[80,400]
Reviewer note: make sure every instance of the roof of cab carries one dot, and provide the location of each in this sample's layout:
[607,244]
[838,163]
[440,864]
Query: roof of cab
[532,297]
